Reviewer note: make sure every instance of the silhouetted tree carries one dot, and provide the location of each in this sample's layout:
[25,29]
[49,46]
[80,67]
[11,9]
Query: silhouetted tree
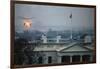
[18,50]
[24,54]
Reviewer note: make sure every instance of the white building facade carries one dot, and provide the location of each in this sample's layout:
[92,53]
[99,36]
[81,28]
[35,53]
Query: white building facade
[64,52]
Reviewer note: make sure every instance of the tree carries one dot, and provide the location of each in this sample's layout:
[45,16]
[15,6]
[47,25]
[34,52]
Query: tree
[19,45]
[24,54]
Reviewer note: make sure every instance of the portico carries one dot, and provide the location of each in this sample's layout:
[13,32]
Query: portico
[75,59]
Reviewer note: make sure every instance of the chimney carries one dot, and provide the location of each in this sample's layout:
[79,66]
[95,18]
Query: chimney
[58,39]
[44,38]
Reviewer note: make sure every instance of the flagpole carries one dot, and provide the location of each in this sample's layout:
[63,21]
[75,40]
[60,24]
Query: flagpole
[71,33]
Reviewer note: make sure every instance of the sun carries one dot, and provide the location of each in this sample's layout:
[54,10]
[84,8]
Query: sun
[27,23]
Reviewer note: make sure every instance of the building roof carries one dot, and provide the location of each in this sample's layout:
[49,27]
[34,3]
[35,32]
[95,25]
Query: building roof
[74,46]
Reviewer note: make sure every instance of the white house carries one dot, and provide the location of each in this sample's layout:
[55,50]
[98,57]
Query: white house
[64,52]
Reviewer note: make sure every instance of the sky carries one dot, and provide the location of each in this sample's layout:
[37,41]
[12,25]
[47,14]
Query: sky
[54,17]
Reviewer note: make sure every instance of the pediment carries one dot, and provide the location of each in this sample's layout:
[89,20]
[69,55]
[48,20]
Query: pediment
[75,48]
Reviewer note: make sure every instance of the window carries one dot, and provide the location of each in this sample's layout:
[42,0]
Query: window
[76,58]
[86,58]
[49,59]
[65,59]
[40,59]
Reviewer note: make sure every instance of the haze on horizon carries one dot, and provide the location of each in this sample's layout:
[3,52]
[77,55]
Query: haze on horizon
[54,17]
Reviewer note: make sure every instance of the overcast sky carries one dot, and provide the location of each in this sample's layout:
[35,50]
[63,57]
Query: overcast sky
[54,17]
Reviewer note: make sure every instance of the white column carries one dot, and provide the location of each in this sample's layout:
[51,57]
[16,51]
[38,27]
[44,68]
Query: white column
[59,59]
[45,61]
[70,59]
[91,58]
[80,58]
